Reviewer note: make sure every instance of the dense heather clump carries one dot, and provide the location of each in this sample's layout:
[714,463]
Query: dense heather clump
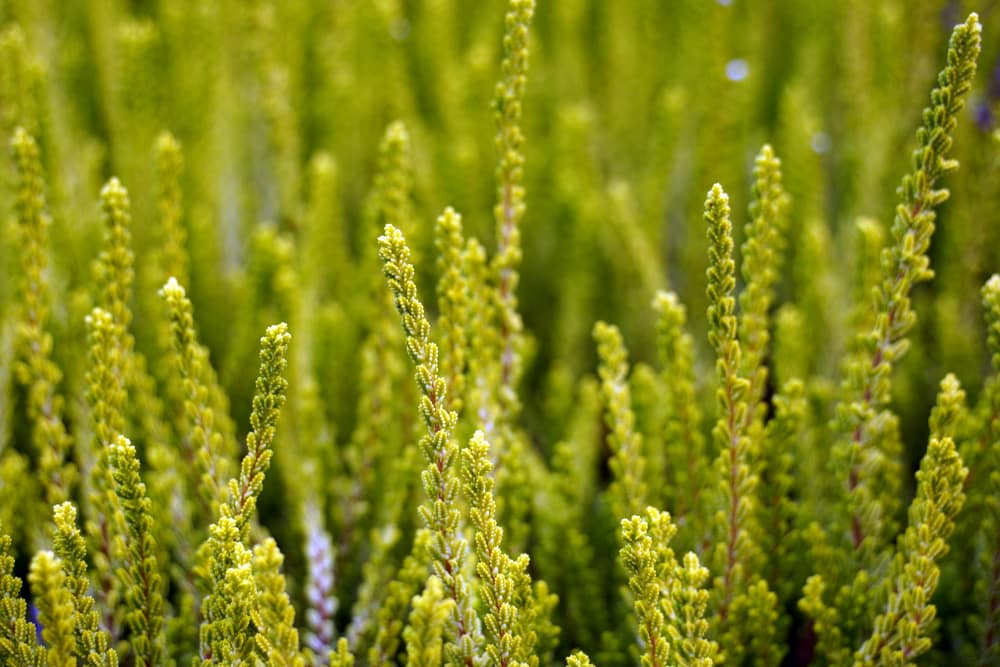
[298,368]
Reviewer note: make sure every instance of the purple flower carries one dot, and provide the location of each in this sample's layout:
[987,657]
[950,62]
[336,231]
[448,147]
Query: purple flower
[33,619]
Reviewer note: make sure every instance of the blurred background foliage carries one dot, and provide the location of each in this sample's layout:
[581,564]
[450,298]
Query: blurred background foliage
[633,109]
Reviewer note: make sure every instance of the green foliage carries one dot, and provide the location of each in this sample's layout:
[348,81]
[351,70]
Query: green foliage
[453,300]
[510,206]
[55,609]
[904,263]
[36,368]
[18,642]
[115,270]
[423,633]
[106,397]
[401,590]
[900,631]
[499,573]
[231,607]
[627,464]
[269,396]
[277,639]
[981,544]
[205,446]
[226,635]
[342,657]
[670,604]
[761,268]
[169,162]
[92,643]
[527,499]
[440,512]
[143,587]
[641,557]
[866,455]
[690,602]
[737,556]
[683,436]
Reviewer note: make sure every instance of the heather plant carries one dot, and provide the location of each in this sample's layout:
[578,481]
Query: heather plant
[379,333]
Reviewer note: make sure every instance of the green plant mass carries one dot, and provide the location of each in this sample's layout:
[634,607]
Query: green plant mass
[506,333]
